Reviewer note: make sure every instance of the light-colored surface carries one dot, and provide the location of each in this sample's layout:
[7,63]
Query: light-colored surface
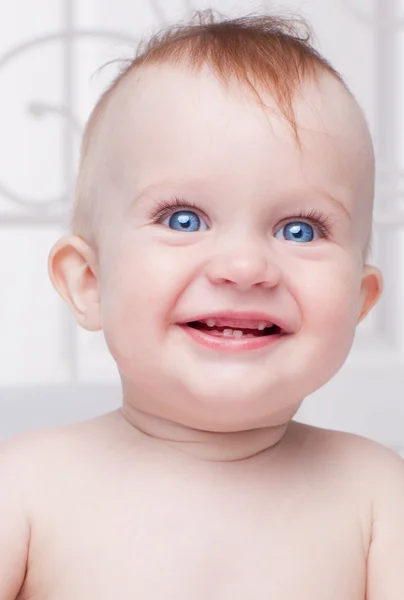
[39,343]
[29,408]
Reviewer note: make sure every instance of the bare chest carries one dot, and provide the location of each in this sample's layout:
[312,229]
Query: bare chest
[163,542]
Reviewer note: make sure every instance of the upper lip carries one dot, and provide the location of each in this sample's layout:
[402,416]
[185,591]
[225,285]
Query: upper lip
[241,319]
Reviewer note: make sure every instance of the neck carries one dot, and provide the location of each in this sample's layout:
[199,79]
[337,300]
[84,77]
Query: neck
[205,445]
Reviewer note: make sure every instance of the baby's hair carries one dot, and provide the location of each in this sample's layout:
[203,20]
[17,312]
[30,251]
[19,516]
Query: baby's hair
[261,52]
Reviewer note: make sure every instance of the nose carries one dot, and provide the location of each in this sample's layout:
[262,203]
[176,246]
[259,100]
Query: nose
[244,268]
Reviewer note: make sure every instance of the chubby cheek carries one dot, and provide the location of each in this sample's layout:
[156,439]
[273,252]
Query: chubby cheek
[330,304]
[139,288]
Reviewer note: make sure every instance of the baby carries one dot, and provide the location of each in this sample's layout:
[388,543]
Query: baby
[220,233]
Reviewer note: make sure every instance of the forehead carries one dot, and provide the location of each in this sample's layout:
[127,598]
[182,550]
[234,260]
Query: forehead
[167,122]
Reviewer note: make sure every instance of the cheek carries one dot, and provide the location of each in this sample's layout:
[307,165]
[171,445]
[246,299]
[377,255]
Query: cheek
[330,302]
[328,298]
[139,289]
[135,277]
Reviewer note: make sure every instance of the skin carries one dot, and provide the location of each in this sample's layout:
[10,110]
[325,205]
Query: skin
[201,485]
[248,176]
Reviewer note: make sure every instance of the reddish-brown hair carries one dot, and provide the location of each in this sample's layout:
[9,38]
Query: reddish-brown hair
[268,53]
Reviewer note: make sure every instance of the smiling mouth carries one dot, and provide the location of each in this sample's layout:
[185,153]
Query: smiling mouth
[210,327]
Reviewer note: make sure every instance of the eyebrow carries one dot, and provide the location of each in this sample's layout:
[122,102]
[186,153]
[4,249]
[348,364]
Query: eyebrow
[336,203]
[190,183]
[167,184]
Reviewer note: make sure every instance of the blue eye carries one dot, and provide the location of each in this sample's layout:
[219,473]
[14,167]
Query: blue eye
[297,231]
[185,220]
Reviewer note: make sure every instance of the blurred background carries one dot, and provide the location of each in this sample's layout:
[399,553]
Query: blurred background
[51,372]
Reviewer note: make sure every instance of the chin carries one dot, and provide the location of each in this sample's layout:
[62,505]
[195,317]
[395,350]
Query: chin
[234,406]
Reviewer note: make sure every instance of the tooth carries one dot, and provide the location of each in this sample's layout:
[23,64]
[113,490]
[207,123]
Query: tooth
[228,332]
[237,333]
[261,326]
[211,322]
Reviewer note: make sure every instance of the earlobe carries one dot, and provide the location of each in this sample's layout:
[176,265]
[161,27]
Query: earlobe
[371,290]
[73,272]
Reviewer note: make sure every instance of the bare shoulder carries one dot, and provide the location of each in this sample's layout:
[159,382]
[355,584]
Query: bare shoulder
[368,461]
[344,444]
[43,453]
[373,476]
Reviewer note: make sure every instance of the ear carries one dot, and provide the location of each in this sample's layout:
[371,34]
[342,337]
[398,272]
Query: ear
[73,272]
[371,290]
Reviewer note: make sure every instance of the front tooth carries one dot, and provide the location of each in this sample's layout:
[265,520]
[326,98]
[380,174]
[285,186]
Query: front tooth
[238,333]
[261,326]
[211,322]
[228,332]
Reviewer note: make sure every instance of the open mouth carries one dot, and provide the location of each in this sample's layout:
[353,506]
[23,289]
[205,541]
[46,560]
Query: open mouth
[233,329]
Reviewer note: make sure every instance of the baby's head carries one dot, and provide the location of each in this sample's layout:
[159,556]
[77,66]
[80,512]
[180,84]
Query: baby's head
[221,224]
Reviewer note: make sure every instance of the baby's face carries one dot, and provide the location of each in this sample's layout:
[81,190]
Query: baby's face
[211,208]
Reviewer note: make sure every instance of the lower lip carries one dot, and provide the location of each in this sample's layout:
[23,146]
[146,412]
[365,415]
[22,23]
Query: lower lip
[230,344]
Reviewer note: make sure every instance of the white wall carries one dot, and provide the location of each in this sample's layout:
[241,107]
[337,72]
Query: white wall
[49,53]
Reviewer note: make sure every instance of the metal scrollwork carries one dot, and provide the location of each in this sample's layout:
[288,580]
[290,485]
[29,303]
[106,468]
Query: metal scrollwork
[51,209]
[41,110]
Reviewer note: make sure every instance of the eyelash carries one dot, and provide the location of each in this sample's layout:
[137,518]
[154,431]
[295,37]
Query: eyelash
[314,216]
[318,219]
[166,207]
